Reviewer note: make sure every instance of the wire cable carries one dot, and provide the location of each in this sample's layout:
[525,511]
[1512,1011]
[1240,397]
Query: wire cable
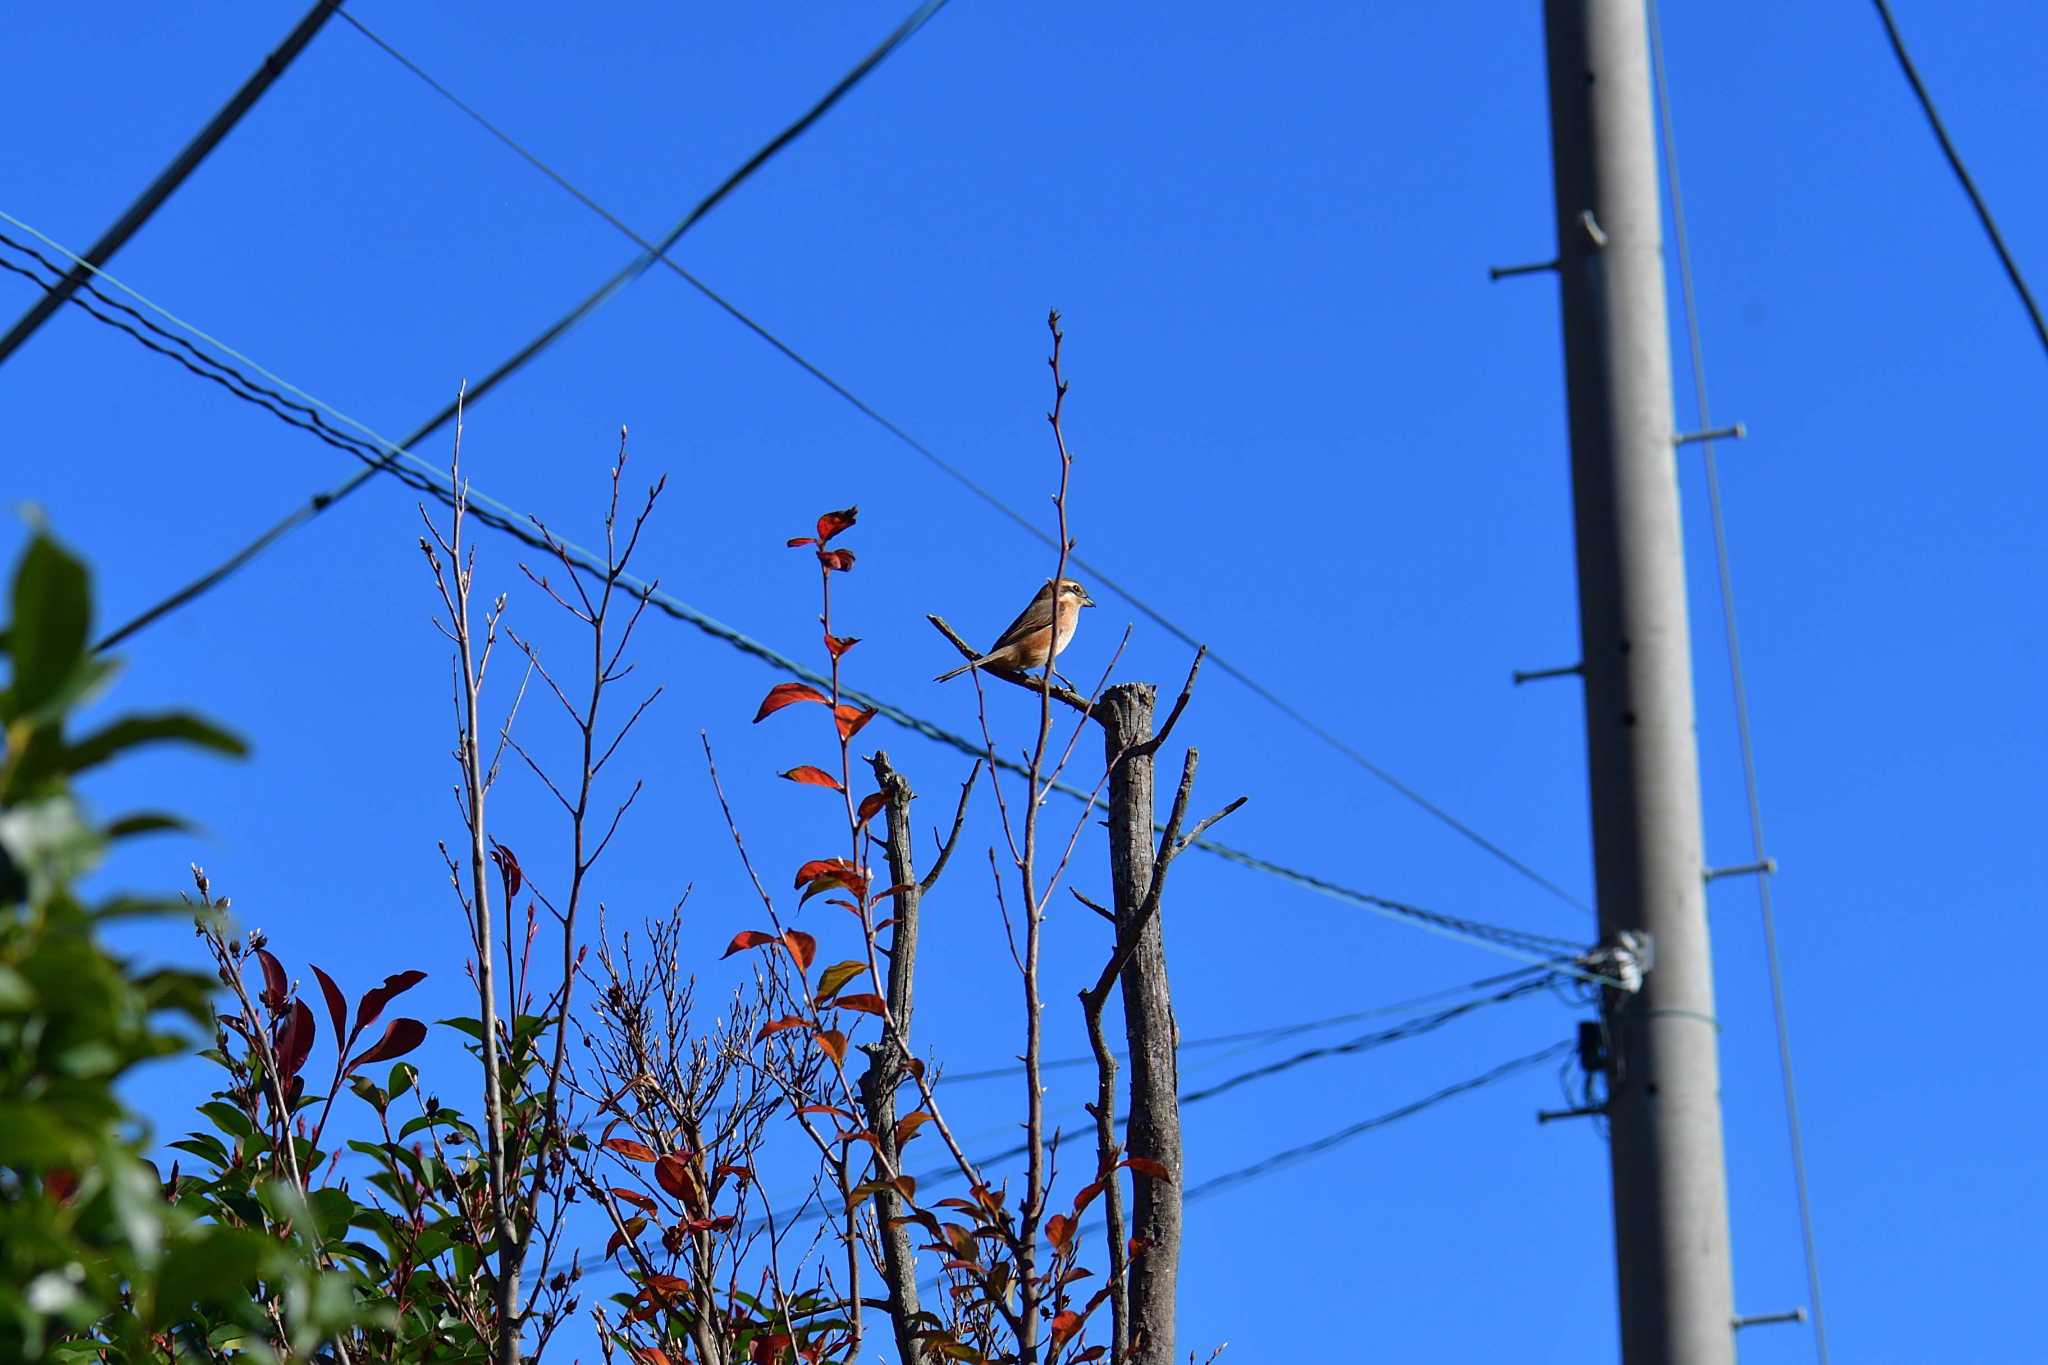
[167,181]
[1274,1033]
[1962,173]
[966,481]
[1738,686]
[1536,949]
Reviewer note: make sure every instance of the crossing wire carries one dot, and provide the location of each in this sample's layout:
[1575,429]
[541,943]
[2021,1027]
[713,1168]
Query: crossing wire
[966,481]
[1739,688]
[1536,949]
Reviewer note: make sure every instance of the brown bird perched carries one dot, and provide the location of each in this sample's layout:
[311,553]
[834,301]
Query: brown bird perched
[1040,633]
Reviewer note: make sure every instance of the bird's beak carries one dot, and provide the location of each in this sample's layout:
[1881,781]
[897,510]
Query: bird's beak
[1086,600]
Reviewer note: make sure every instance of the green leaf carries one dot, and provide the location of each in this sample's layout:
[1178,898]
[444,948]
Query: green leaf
[145,822]
[836,976]
[169,727]
[52,618]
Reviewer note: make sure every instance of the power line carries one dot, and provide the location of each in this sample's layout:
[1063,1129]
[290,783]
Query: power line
[475,393]
[1280,1160]
[1962,173]
[966,481]
[1274,1033]
[1536,949]
[1738,687]
[172,176]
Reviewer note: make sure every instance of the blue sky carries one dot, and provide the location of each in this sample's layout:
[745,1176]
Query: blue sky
[1306,427]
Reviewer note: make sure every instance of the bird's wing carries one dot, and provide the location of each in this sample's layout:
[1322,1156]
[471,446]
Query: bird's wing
[1035,617]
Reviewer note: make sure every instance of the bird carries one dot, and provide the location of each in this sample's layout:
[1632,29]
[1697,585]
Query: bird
[1038,634]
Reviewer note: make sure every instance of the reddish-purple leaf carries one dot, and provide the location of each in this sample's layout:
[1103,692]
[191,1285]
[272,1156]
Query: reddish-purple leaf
[275,985]
[1064,1325]
[850,719]
[795,541]
[786,694]
[673,1174]
[508,868]
[1059,1230]
[745,939]
[801,946]
[375,999]
[832,523]
[869,804]
[774,1026]
[337,1004]
[841,560]
[816,777]
[400,1037]
[635,1198]
[837,645]
[630,1149]
[1145,1165]
[295,1040]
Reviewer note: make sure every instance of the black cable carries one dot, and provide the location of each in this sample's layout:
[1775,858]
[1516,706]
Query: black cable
[386,462]
[961,477]
[172,176]
[1962,173]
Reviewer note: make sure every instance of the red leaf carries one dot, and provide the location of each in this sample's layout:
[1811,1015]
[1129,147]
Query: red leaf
[1086,1197]
[801,946]
[816,777]
[850,718]
[833,1044]
[275,984]
[795,541]
[767,1350]
[1145,1165]
[863,1004]
[635,1198]
[837,645]
[786,694]
[649,1355]
[1059,1229]
[377,997]
[832,523]
[1092,1353]
[826,873]
[816,868]
[400,1037]
[841,560]
[744,939]
[1064,1325]
[630,1149]
[907,1126]
[337,1003]
[673,1174]
[834,1110]
[740,1173]
[774,1026]
[869,804]
[508,868]
[295,1040]
[621,1237]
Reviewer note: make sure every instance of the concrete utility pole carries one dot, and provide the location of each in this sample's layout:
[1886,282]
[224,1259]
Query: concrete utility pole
[1664,1106]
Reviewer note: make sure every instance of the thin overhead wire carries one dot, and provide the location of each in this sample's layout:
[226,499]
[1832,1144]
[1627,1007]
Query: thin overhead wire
[1739,687]
[475,393]
[1280,1160]
[1272,1034]
[1536,949]
[1962,172]
[167,181]
[974,487]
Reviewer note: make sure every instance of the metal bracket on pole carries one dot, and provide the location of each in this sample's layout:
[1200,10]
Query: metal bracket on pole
[1771,1319]
[1768,867]
[1594,232]
[1584,1112]
[1497,273]
[1529,675]
[1734,433]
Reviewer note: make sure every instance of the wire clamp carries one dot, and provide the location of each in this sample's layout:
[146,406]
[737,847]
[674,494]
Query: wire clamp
[1767,866]
[1595,234]
[1734,433]
[1623,960]
[1769,1319]
[1529,675]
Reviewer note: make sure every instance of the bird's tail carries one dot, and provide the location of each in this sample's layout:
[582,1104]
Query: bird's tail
[975,663]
